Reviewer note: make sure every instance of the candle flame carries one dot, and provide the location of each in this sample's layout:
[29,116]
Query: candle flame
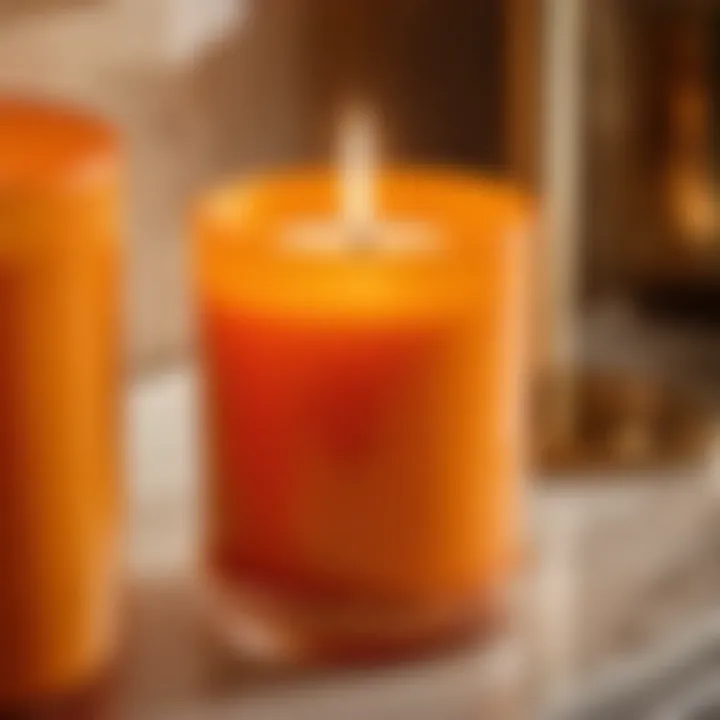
[357,141]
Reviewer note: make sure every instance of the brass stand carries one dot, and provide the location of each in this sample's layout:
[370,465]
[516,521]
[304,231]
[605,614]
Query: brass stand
[617,422]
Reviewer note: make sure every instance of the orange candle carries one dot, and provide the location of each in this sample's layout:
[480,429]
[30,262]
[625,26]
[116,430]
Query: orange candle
[363,396]
[58,400]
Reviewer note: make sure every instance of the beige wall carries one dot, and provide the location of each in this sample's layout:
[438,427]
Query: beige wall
[198,88]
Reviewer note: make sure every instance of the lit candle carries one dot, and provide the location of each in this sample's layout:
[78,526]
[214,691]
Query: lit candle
[362,354]
[58,401]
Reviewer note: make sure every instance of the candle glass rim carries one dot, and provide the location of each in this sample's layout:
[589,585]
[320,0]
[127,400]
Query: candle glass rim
[52,147]
[230,203]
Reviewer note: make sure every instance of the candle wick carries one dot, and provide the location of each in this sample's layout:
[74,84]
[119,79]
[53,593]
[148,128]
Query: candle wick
[357,160]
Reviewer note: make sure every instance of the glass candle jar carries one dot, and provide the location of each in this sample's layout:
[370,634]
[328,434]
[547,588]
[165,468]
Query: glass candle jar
[363,392]
[58,401]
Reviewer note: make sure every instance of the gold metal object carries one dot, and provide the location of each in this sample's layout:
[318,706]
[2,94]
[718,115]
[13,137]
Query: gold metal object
[608,421]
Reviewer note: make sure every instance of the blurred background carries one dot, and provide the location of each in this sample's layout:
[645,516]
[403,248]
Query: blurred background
[606,110]
[609,112]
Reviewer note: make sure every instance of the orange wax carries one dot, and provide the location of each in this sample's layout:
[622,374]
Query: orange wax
[363,402]
[58,400]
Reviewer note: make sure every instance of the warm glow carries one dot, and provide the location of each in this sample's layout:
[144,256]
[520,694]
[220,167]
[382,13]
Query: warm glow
[362,393]
[358,157]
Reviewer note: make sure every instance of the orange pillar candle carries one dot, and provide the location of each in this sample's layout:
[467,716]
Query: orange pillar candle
[362,386]
[58,400]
